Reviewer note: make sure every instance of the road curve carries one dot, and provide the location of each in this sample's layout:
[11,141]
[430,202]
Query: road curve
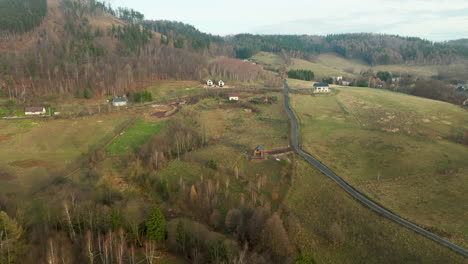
[353,192]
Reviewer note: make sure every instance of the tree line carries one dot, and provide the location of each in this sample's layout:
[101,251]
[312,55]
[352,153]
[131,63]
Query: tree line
[305,75]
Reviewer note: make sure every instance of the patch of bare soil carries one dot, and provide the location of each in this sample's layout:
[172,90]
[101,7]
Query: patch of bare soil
[5,176]
[32,163]
[5,137]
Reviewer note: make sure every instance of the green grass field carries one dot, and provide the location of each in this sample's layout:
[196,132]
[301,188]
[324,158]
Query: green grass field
[397,149]
[137,134]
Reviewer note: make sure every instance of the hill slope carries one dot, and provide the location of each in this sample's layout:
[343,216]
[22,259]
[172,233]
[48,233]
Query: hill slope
[405,152]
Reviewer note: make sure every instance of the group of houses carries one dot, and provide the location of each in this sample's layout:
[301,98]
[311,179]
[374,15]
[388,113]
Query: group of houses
[210,83]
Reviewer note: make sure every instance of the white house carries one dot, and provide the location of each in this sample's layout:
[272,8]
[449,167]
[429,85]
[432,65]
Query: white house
[337,78]
[233,97]
[35,111]
[119,101]
[220,83]
[321,88]
[209,83]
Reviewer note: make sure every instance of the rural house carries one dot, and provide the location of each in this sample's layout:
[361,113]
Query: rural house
[220,83]
[345,83]
[337,79]
[35,111]
[233,97]
[321,88]
[119,101]
[259,152]
[209,83]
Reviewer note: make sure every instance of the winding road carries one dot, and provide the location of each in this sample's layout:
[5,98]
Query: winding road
[353,192]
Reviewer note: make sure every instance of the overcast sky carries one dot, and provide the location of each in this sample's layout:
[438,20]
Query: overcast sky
[434,20]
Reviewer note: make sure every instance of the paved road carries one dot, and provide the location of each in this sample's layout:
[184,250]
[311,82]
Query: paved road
[356,194]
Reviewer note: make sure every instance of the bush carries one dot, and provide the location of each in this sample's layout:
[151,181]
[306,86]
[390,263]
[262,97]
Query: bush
[213,164]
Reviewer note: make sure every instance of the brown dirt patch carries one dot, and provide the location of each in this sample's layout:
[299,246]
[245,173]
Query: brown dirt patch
[32,163]
[5,137]
[5,176]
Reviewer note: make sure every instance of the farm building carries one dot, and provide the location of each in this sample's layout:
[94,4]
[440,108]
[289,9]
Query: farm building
[259,152]
[209,83]
[233,97]
[345,83]
[119,101]
[321,88]
[220,83]
[264,99]
[34,110]
[337,79]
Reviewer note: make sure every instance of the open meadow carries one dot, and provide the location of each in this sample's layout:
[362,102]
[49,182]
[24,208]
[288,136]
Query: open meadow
[31,150]
[402,151]
[326,223]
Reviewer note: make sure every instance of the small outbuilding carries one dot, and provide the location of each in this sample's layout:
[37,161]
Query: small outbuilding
[345,83]
[119,101]
[220,83]
[233,97]
[259,152]
[209,83]
[321,88]
[35,110]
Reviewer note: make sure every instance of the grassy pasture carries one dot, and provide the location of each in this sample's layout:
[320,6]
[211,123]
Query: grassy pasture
[170,89]
[268,60]
[325,222]
[31,149]
[320,70]
[395,148]
[129,140]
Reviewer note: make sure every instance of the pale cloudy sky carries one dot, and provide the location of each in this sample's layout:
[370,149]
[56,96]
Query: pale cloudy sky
[430,19]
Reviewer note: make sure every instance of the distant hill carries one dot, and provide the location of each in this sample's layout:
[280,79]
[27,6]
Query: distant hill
[459,42]
[374,49]
[182,34]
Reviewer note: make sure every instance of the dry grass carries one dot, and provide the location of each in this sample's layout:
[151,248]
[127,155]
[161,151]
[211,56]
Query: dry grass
[324,221]
[395,149]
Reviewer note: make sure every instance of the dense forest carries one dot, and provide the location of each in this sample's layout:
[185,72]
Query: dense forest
[301,75]
[21,16]
[182,35]
[374,49]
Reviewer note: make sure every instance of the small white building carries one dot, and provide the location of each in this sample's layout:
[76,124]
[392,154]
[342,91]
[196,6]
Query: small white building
[220,83]
[35,111]
[209,83]
[233,97]
[321,88]
[337,78]
[119,101]
[345,83]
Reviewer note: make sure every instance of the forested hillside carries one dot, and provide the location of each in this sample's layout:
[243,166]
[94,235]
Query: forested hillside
[88,48]
[375,49]
[18,16]
[182,35]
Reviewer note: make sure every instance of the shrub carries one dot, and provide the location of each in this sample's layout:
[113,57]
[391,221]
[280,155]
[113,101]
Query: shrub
[213,164]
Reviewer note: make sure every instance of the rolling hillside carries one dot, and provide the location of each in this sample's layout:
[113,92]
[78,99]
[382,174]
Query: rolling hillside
[405,152]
